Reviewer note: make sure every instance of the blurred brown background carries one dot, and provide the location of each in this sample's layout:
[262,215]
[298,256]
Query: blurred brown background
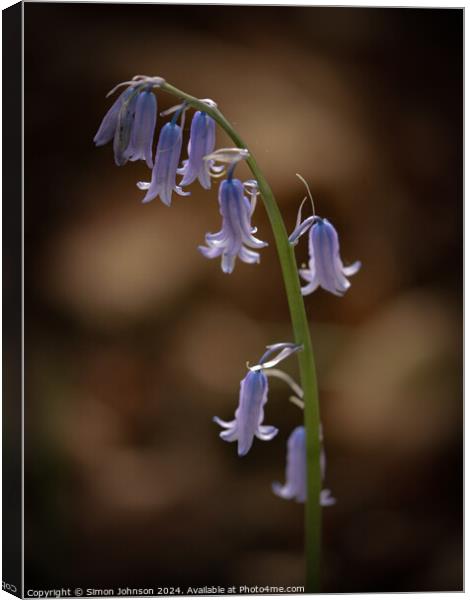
[134,340]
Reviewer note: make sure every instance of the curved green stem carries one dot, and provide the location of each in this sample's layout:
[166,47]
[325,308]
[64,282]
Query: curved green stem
[301,331]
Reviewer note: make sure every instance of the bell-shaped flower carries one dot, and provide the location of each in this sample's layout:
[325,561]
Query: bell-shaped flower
[124,125]
[130,123]
[163,181]
[253,396]
[117,125]
[236,238]
[201,143]
[325,267]
[295,487]
[249,414]
[143,128]
[109,123]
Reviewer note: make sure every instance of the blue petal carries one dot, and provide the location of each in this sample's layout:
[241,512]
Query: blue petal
[108,125]
[122,135]
[253,395]
[166,162]
[236,233]
[327,260]
[201,143]
[143,128]
[326,268]
[296,468]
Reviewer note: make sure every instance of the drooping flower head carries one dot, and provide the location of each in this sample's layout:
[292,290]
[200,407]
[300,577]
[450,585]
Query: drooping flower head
[295,487]
[143,128]
[325,267]
[249,415]
[236,238]
[107,129]
[163,181]
[130,122]
[201,143]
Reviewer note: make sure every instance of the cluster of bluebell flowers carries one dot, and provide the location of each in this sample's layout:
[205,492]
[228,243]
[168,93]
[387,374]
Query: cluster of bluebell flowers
[130,124]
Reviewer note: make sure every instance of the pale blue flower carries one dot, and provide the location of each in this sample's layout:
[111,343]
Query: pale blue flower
[108,125]
[249,415]
[143,128]
[295,487]
[163,181]
[201,143]
[253,396]
[236,236]
[130,123]
[117,125]
[124,125]
[325,267]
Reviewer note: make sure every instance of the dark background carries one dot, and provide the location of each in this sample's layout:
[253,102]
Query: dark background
[134,340]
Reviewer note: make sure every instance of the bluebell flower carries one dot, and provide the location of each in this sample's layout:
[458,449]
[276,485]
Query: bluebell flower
[325,267]
[236,236]
[249,415]
[201,143]
[253,396]
[117,125]
[295,487]
[124,125]
[108,125]
[143,128]
[163,181]
[130,122]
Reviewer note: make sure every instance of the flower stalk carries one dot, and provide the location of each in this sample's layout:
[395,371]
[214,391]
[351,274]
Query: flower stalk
[302,337]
